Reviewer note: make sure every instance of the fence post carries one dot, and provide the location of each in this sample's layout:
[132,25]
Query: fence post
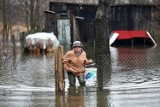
[59,71]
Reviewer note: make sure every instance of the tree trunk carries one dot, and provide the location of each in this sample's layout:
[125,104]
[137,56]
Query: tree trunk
[32,23]
[4,22]
[102,47]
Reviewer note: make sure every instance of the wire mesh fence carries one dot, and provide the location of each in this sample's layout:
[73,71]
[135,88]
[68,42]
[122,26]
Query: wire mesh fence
[129,60]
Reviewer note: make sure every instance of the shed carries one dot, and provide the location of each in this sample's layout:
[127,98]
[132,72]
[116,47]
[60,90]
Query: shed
[71,21]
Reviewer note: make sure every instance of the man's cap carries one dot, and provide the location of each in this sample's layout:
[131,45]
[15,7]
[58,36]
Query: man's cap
[77,43]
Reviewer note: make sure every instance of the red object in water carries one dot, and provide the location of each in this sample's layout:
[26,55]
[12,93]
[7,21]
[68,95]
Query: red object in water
[125,34]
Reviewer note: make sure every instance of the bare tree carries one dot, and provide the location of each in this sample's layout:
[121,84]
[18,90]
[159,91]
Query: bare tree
[33,12]
[28,13]
[13,12]
[6,15]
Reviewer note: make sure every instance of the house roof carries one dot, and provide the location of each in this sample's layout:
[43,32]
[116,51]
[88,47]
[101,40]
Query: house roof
[126,34]
[85,2]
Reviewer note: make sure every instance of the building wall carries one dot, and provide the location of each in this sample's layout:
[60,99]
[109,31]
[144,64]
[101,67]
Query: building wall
[135,17]
[84,16]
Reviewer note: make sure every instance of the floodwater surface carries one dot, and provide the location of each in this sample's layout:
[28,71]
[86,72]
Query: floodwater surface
[134,81]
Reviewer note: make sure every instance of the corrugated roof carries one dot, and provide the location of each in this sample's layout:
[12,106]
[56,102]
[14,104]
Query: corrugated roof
[87,2]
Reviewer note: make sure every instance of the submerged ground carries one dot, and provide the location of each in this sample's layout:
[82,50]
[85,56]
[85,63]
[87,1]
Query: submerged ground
[133,82]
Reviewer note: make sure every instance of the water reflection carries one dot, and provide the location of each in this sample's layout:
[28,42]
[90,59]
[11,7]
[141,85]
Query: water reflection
[103,99]
[135,77]
[37,70]
[31,84]
[75,97]
[10,98]
[131,80]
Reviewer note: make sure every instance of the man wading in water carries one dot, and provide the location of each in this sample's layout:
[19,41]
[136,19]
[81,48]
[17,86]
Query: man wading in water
[74,61]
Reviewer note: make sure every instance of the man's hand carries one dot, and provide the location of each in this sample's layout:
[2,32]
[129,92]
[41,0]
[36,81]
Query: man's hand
[90,61]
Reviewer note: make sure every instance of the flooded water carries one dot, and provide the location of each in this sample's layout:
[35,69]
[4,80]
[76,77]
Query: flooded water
[135,78]
[134,81]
